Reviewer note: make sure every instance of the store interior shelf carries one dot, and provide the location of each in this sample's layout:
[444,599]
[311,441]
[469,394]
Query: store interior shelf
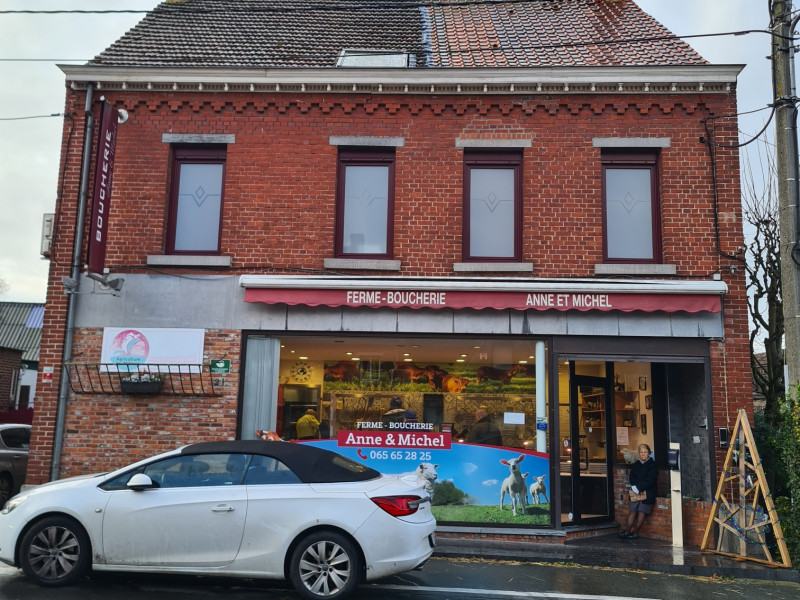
[627,408]
[141,379]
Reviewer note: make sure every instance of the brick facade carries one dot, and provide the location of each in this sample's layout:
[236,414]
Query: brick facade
[279,211]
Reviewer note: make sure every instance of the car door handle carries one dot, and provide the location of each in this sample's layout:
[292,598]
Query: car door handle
[222,508]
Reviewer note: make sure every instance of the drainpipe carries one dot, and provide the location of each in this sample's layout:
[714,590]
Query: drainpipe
[75,274]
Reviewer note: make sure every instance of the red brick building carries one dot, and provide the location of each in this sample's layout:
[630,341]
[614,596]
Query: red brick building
[507,207]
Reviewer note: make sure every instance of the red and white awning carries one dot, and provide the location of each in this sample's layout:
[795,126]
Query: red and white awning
[562,295]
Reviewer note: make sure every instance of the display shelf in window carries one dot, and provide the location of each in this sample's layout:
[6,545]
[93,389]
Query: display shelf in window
[593,410]
[626,407]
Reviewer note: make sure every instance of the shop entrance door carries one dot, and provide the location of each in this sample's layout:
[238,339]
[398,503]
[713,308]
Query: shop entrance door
[585,461]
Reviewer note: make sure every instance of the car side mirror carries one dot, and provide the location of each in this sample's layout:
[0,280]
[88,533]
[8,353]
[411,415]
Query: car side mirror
[140,482]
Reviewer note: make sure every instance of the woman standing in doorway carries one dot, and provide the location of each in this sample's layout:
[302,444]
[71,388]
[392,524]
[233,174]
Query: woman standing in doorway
[643,477]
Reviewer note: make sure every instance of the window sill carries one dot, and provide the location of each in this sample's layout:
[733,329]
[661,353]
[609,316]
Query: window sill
[635,269]
[186,260]
[493,267]
[362,264]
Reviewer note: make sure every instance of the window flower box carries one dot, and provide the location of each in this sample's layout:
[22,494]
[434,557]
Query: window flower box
[143,384]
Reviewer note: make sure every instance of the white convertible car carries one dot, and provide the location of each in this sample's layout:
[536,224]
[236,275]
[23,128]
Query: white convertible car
[254,509]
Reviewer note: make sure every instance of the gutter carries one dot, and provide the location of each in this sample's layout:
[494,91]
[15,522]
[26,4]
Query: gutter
[75,273]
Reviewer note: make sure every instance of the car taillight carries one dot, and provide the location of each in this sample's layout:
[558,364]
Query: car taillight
[398,506]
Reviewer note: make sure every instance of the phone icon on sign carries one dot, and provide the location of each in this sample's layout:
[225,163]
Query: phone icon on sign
[361,455]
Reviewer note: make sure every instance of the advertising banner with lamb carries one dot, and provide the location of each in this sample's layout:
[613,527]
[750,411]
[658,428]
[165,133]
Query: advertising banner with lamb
[468,482]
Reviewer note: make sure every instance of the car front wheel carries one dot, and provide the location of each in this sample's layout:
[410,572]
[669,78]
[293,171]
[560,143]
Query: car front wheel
[55,552]
[325,565]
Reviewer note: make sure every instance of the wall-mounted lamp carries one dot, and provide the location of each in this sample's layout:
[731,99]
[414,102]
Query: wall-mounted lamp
[70,284]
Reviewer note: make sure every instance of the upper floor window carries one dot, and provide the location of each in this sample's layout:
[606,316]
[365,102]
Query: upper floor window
[492,206]
[631,222]
[365,203]
[195,203]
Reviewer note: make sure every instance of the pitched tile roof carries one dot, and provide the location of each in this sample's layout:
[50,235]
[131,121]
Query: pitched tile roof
[547,33]
[438,33]
[265,33]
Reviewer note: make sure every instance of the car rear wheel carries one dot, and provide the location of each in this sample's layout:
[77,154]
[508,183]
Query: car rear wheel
[325,565]
[55,552]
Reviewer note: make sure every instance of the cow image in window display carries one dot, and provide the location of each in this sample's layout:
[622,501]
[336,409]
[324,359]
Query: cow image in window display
[343,370]
[452,384]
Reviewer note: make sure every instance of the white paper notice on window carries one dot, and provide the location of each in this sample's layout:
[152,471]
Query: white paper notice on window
[514,418]
[622,436]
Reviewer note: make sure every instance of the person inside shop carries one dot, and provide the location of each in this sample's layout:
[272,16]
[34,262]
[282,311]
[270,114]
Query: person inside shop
[308,426]
[643,477]
[410,416]
[484,431]
[395,412]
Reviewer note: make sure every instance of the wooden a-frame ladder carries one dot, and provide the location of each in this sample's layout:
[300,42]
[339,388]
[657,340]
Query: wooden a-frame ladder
[737,510]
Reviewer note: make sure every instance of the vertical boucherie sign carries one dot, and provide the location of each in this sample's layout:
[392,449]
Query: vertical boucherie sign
[103,177]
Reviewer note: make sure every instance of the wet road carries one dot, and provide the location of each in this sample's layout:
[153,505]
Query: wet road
[441,579]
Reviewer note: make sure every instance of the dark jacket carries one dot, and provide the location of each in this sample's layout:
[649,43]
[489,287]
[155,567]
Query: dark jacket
[644,476]
[485,432]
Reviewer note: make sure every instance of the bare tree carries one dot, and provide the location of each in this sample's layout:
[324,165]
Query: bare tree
[760,201]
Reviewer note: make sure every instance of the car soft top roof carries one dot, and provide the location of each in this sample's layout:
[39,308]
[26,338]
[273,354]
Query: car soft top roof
[309,463]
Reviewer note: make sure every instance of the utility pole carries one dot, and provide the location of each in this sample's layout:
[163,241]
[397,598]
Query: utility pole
[787,169]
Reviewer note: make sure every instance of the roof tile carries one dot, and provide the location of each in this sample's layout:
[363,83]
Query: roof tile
[443,33]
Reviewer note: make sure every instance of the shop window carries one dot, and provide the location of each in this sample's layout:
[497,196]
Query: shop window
[492,206]
[365,203]
[631,223]
[196,196]
[446,411]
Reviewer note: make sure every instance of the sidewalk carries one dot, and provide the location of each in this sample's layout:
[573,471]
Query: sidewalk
[611,551]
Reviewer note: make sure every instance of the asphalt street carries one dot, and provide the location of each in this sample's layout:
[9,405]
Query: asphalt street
[441,579]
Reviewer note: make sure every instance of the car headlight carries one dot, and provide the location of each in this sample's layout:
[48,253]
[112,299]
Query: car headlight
[14,503]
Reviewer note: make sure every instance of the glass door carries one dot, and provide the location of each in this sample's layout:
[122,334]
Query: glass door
[585,460]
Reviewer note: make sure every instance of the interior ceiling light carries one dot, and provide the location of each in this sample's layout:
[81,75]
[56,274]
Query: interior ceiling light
[349,353]
[408,359]
[355,358]
[303,358]
[460,360]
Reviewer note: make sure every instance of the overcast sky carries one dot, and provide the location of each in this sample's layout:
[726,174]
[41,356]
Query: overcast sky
[30,147]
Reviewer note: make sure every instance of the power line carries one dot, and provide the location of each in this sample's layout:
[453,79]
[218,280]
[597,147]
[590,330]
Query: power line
[318,6]
[500,49]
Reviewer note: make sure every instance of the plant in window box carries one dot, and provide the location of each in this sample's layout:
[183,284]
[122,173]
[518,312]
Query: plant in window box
[142,383]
